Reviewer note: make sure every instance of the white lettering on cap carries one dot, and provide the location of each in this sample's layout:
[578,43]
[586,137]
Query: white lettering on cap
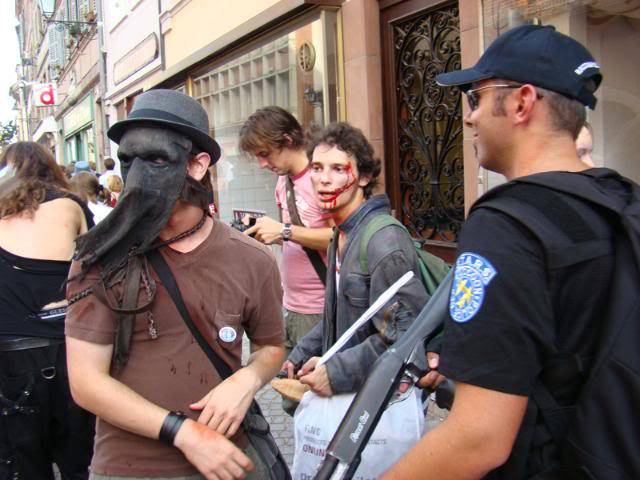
[586,65]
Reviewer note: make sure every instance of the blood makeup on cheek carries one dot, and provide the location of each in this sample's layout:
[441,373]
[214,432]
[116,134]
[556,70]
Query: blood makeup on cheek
[351,180]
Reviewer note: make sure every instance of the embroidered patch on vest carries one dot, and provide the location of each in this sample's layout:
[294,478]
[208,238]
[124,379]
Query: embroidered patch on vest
[473,273]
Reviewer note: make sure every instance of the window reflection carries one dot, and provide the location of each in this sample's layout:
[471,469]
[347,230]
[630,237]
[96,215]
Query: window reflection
[278,72]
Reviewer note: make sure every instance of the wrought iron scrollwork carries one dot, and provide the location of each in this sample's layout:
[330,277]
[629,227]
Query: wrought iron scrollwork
[429,125]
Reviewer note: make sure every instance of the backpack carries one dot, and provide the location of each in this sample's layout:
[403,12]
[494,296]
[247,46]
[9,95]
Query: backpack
[432,269]
[598,437]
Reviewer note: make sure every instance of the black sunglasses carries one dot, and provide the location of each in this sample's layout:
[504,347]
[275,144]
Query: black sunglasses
[474,98]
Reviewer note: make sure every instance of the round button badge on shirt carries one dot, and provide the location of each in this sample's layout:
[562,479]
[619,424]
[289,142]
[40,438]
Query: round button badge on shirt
[227,334]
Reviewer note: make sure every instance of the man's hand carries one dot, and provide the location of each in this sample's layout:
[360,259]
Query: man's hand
[224,407]
[433,378]
[267,231]
[316,378]
[309,366]
[214,456]
[289,367]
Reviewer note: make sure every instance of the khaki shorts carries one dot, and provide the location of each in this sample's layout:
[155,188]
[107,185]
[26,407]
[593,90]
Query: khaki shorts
[297,324]
[259,473]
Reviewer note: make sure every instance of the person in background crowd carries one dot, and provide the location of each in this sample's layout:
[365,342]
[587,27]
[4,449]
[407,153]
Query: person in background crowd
[69,170]
[344,172]
[81,166]
[86,186]
[275,138]
[39,422]
[115,186]
[109,165]
[92,168]
[584,144]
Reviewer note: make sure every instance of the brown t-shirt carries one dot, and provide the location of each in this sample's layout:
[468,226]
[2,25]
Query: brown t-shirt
[230,284]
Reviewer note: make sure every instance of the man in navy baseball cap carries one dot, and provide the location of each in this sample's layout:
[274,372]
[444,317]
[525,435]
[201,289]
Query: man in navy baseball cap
[537,55]
[524,309]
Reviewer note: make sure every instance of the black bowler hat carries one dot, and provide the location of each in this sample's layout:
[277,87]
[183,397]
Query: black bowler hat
[172,110]
[537,55]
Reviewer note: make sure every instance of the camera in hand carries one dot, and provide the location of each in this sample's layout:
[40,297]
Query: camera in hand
[243,219]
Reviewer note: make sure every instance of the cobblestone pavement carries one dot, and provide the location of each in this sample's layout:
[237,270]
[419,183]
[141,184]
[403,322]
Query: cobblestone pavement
[281,424]
[271,404]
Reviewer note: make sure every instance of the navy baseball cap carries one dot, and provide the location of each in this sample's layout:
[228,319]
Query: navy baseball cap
[537,55]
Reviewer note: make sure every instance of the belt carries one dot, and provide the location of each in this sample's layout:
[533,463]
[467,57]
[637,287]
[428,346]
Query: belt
[10,344]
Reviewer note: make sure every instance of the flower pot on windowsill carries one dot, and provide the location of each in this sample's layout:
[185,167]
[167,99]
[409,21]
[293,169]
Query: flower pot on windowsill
[74,30]
[90,16]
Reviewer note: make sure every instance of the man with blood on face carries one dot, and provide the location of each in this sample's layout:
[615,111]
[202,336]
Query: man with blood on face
[344,173]
[132,359]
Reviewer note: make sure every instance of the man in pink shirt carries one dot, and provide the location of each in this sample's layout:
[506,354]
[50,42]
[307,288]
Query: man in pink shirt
[275,138]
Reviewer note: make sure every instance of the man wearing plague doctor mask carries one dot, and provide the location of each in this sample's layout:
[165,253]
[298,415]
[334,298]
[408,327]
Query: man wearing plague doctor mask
[132,360]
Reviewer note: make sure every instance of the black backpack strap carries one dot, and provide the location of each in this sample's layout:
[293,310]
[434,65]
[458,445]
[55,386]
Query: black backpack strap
[168,280]
[566,237]
[626,213]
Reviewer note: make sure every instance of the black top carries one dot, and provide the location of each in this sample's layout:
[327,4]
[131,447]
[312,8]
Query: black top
[53,194]
[27,285]
[508,315]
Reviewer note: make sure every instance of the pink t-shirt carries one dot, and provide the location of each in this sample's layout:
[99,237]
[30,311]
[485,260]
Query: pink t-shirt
[303,290]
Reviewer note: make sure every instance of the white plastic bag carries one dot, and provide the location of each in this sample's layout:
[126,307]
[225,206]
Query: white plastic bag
[317,419]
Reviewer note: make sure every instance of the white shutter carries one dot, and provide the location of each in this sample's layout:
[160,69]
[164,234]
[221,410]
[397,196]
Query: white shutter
[73,10]
[54,58]
[55,36]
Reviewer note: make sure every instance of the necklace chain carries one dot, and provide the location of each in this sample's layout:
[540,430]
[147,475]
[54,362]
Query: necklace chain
[87,291]
[182,235]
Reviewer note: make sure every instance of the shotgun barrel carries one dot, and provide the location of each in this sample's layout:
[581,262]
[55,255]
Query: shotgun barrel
[405,358]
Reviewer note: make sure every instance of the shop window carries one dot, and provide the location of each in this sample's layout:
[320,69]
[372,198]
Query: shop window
[277,71]
[80,147]
[610,29]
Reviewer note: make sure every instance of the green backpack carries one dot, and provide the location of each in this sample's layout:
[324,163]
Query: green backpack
[432,269]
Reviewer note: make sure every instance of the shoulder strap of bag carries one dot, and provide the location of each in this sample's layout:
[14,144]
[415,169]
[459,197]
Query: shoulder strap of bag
[566,237]
[314,255]
[376,224]
[626,214]
[169,282]
[432,268]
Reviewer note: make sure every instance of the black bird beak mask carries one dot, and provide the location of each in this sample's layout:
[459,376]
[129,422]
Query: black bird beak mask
[154,169]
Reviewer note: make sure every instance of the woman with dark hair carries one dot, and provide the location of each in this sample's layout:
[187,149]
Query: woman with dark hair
[39,222]
[88,188]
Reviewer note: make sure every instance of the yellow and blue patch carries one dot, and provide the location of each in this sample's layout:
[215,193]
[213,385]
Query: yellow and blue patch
[473,273]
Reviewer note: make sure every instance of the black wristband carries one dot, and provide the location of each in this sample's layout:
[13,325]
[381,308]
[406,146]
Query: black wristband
[172,423]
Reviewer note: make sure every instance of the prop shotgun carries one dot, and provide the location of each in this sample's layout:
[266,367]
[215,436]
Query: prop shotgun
[405,358]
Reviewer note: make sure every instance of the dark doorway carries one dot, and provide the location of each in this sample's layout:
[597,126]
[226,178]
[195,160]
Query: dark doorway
[423,122]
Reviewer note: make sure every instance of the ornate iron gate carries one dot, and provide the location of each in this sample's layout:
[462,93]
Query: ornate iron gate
[424,123]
